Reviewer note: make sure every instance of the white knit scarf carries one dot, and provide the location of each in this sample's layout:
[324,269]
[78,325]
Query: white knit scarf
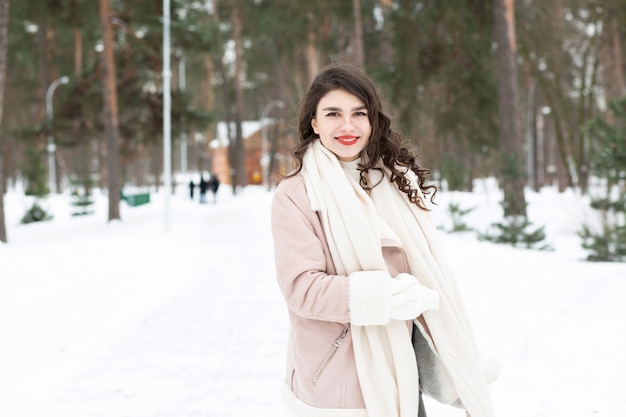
[384,354]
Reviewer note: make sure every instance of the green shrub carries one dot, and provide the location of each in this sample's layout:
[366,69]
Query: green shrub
[516,231]
[609,246]
[82,202]
[608,163]
[35,214]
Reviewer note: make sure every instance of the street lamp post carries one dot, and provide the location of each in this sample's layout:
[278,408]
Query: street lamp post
[265,155]
[167,112]
[182,85]
[51,147]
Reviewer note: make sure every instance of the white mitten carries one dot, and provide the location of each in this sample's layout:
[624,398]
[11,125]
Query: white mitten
[409,298]
[368,300]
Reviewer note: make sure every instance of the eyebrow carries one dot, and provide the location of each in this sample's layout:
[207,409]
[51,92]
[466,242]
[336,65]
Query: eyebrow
[330,108]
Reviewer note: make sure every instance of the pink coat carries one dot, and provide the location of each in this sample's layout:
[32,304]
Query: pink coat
[317,300]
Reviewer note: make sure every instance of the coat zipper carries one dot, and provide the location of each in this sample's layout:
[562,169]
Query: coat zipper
[336,344]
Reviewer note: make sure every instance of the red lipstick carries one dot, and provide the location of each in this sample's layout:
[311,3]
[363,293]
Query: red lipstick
[347,140]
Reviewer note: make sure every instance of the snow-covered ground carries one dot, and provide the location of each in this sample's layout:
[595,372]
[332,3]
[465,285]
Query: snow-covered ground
[126,319]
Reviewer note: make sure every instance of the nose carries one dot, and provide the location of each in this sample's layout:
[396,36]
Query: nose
[347,125]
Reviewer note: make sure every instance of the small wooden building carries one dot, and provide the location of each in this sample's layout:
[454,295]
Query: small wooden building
[277,144]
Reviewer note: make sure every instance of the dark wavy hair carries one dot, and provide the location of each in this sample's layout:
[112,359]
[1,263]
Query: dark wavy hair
[385,143]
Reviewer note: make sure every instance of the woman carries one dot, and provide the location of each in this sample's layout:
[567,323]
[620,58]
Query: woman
[358,262]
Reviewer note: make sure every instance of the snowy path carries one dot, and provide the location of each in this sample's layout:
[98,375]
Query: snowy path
[213,347]
[203,350]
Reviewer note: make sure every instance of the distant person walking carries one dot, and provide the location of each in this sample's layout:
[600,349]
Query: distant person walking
[214,185]
[203,187]
[192,187]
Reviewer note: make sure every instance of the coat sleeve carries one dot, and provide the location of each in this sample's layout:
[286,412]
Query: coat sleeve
[302,260]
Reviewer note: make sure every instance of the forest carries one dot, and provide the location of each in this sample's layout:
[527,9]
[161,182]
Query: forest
[531,92]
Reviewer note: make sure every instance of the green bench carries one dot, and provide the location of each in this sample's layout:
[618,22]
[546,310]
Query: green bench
[136,199]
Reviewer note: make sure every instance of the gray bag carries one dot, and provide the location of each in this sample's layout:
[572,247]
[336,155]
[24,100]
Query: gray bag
[435,381]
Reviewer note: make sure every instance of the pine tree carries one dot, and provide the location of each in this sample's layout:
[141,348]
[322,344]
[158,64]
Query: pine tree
[34,173]
[608,158]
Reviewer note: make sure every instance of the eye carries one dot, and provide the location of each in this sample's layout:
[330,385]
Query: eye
[332,114]
[360,113]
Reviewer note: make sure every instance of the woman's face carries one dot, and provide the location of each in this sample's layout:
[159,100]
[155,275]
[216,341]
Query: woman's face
[343,126]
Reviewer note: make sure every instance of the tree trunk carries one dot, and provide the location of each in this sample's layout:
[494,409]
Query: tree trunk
[387,51]
[4,44]
[111,113]
[207,100]
[512,177]
[238,159]
[226,98]
[210,108]
[616,53]
[312,53]
[611,58]
[358,34]
[81,164]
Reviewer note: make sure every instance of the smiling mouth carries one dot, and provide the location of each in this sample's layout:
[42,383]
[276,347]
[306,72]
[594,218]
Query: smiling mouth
[347,140]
